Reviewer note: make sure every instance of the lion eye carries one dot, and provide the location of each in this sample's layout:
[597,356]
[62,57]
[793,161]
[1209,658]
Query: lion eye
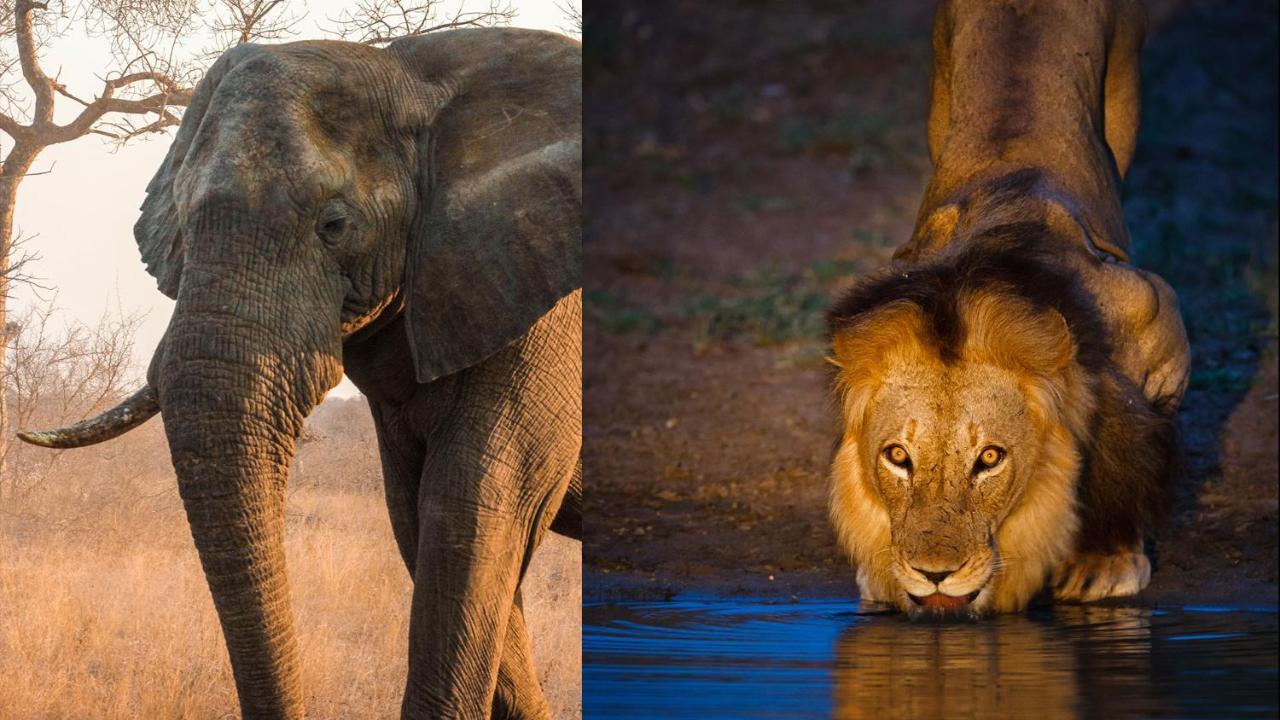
[988,458]
[897,455]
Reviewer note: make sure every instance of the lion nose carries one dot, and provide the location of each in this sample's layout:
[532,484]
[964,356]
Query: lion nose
[932,576]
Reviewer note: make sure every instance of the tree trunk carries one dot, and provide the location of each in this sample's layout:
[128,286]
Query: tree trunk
[16,165]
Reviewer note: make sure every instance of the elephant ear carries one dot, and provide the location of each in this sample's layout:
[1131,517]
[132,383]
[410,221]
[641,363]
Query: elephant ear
[158,230]
[497,239]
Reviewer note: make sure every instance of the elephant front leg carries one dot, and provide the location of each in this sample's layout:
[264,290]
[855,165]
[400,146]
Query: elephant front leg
[464,584]
[518,695]
[474,541]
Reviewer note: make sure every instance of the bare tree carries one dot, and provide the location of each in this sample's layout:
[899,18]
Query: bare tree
[573,15]
[374,22]
[147,79]
[142,80]
[241,21]
[59,375]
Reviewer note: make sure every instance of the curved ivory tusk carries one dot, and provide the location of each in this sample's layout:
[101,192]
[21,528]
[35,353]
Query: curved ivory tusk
[129,414]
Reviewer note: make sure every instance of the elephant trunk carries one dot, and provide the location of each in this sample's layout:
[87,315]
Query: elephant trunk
[235,506]
[231,455]
[235,384]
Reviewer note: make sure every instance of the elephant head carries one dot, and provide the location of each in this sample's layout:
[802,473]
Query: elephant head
[313,191]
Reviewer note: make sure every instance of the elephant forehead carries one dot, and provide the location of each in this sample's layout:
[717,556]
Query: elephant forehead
[254,153]
[341,84]
[285,122]
[251,158]
[302,65]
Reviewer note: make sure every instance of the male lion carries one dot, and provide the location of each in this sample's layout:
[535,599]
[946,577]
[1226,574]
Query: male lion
[1007,385]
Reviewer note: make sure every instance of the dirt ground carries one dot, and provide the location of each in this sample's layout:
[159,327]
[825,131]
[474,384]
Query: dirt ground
[748,160]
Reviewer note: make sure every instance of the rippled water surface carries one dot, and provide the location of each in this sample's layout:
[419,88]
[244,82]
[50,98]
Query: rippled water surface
[720,658]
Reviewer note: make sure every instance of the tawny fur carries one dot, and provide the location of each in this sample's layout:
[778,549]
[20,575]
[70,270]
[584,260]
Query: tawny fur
[1012,320]
[1039,529]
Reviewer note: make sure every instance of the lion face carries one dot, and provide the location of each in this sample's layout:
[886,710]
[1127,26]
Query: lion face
[951,452]
[952,487]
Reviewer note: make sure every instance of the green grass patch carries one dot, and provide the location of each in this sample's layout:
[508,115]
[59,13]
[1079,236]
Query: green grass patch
[771,306]
[871,140]
[1220,379]
[617,315]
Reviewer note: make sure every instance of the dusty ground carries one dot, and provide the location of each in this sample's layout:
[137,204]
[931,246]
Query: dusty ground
[745,163]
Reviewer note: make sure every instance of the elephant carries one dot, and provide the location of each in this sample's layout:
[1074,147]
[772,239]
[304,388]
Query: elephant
[410,215]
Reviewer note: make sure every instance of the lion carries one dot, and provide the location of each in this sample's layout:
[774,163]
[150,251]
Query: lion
[1008,384]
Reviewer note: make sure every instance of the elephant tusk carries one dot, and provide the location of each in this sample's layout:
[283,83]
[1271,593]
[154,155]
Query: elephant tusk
[129,414]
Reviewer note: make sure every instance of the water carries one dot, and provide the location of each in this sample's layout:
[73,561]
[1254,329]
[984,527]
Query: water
[719,658]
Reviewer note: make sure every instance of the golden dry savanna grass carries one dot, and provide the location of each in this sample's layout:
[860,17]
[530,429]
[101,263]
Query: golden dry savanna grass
[104,612]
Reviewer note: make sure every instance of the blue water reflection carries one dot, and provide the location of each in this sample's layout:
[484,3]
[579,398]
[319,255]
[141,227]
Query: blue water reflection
[729,658]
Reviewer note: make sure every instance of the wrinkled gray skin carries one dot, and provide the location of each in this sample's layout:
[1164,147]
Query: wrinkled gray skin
[410,215]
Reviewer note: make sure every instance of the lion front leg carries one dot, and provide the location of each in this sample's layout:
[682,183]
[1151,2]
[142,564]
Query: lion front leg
[1089,576]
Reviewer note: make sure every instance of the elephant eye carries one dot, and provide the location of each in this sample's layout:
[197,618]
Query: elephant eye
[334,223]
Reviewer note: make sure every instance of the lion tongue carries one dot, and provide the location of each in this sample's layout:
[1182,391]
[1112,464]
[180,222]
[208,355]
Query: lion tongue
[943,602]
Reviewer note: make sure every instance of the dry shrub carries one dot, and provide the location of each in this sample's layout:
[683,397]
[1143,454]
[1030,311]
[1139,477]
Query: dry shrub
[104,611]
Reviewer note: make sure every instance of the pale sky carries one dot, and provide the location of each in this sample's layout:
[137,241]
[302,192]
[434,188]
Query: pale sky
[82,212]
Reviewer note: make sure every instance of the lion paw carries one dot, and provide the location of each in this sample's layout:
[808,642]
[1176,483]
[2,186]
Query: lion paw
[1086,578]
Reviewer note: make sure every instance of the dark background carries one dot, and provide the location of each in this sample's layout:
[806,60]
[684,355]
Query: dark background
[746,160]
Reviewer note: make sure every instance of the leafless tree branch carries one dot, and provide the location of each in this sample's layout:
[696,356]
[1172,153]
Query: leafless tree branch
[573,14]
[242,21]
[19,258]
[56,376]
[24,34]
[376,22]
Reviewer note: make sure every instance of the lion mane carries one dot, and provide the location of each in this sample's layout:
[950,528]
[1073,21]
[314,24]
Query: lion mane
[1102,486]
[1013,326]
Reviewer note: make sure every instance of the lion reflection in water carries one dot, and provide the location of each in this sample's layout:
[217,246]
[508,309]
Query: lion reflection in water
[1008,667]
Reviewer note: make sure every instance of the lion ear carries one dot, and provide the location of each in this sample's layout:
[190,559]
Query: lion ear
[1047,342]
[865,346]
[862,343]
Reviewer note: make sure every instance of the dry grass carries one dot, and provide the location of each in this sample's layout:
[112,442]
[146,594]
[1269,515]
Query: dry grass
[104,612]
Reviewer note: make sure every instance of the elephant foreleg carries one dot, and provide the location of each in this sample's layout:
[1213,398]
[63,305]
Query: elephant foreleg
[497,468]
[568,521]
[472,551]
[465,580]
[518,695]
